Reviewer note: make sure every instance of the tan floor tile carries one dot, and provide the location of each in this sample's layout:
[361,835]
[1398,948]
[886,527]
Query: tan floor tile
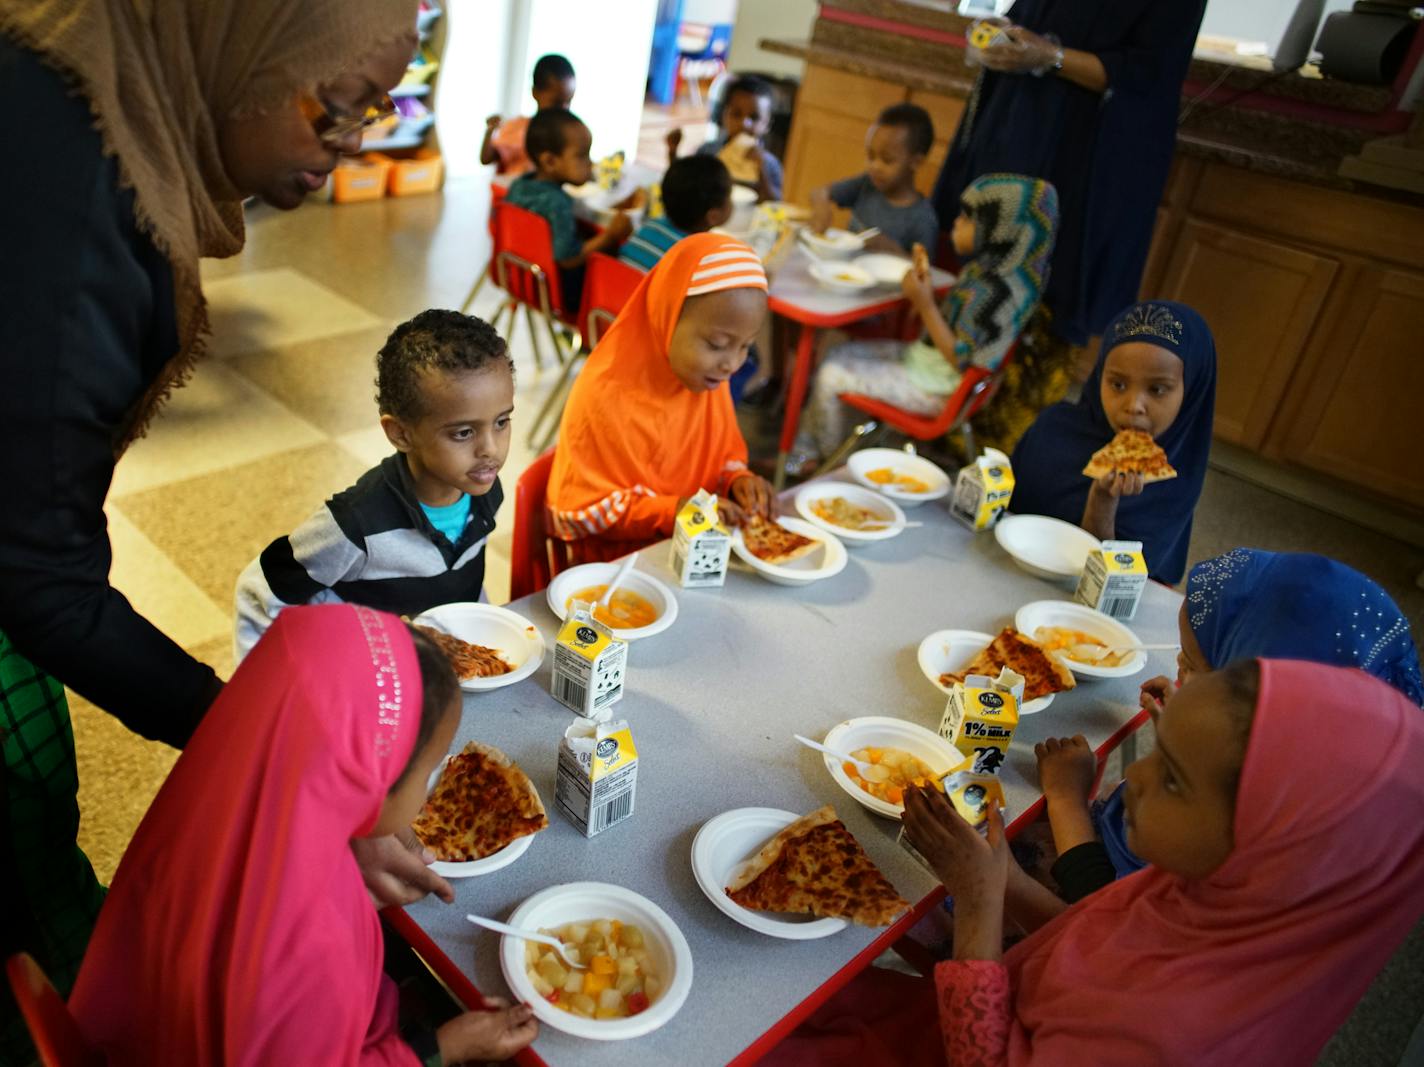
[330,380]
[369,446]
[214,525]
[159,589]
[270,308]
[217,420]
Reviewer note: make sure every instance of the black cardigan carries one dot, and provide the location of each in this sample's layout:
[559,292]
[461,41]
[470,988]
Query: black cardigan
[87,321]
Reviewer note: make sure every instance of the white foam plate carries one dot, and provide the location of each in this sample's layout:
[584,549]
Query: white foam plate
[863,462]
[879,731]
[860,497]
[824,562]
[579,901]
[1047,547]
[949,651]
[474,868]
[731,839]
[840,277]
[885,268]
[833,244]
[569,582]
[516,638]
[1090,621]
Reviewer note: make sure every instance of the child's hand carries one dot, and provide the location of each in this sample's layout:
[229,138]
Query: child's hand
[396,869]
[822,211]
[1154,694]
[1116,484]
[971,866]
[730,513]
[496,1033]
[619,227]
[754,494]
[492,123]
[1066,768]
[673,140]
[918,289]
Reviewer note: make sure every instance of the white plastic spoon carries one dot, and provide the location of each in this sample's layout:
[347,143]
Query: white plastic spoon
[606,600]
[527,935]
[869,771]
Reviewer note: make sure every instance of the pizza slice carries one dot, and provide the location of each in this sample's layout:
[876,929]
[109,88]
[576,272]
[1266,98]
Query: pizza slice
[1133,452]
[774,543]
[481,804]
[469,661]
[1043,672]
[815,866]
[921,260]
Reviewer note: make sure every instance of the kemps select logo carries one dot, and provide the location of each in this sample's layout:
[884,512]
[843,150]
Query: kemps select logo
[587,634]
[993,701]
[607,750]
[1123,559]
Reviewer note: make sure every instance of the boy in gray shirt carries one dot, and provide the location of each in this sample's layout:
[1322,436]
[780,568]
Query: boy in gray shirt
[884,196]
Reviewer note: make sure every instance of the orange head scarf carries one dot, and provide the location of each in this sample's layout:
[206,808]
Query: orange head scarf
[634,439]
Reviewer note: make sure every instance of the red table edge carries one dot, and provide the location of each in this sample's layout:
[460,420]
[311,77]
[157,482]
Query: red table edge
[460,984]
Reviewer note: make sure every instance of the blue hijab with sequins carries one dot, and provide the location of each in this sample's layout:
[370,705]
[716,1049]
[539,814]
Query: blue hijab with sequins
[1049,461]
[1288,605]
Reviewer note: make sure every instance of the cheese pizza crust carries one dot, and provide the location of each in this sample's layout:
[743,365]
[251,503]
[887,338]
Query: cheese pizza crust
[774,543]
[1132,452]
[920,259]
[469,661]
[815,866]
[1043,673]
[481,804]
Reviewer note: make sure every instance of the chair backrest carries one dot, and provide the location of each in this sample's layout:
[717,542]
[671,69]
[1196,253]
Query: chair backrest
[607,285]
[498,192]
[976,388]
[524,262]
[56,1035]
[535,557]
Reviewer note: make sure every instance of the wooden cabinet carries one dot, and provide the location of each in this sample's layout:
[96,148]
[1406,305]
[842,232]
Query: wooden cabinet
[1359,414]
[833,111]
[1261,298]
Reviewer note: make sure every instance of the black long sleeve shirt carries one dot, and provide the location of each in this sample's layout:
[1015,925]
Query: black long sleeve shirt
[87,321]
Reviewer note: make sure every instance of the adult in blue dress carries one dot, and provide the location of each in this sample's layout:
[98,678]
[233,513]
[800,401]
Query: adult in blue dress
[1083,94]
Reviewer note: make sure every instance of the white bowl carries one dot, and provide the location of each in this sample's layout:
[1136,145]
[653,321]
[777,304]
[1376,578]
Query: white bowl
[1047,547]
[489,864]
[885,268]
[646,586]
[587,191]
[880,731]
[1090,621]
[578,901]
[731,839]
[860,464]
[845,278]
[743,209]
[824,562]
[833,244]
[517,639]
[949,652]
[861,498]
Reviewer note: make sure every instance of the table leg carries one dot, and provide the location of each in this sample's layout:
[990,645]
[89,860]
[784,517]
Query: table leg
[796,395]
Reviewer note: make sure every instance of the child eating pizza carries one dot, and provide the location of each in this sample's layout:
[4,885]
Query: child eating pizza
[1156,373]
[649,421]
[411,533]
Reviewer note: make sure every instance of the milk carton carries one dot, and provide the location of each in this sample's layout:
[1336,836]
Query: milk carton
[701,545]
[597,775]
[970,795]
[589,664]
[980,719]
[982,490]
[609,170]
[1113,579]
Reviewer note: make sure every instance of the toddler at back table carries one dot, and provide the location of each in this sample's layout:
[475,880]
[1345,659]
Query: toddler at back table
[411,533]
[884,196]
[554,86]
[558,143]
[745,121]
[649,421]
[697,197]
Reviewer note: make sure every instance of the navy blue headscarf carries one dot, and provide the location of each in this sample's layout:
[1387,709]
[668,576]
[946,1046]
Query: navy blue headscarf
[1049,460]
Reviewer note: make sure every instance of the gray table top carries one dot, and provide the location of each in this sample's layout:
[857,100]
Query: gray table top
[796,294]
[713,702]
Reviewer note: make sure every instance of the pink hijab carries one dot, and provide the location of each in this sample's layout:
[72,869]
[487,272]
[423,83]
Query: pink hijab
[1263,961]
[238,930]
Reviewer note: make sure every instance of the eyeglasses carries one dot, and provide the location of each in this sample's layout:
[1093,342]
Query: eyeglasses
[333,127]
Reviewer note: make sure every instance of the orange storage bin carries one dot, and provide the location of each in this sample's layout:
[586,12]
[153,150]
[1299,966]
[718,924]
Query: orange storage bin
[419,172]
[359,178]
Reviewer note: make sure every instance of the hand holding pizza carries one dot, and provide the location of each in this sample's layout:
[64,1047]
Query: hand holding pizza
[496,1033]
[753,494]
[974,868]
[395,869]
[1117,484]
[918,289]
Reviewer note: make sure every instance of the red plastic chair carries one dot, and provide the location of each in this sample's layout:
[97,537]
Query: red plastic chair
[536,555]
[56,1035]
[607,284]
[976,389]
[497,195]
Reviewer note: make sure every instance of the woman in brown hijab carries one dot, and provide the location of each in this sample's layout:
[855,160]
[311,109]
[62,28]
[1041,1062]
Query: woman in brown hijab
[135,129]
